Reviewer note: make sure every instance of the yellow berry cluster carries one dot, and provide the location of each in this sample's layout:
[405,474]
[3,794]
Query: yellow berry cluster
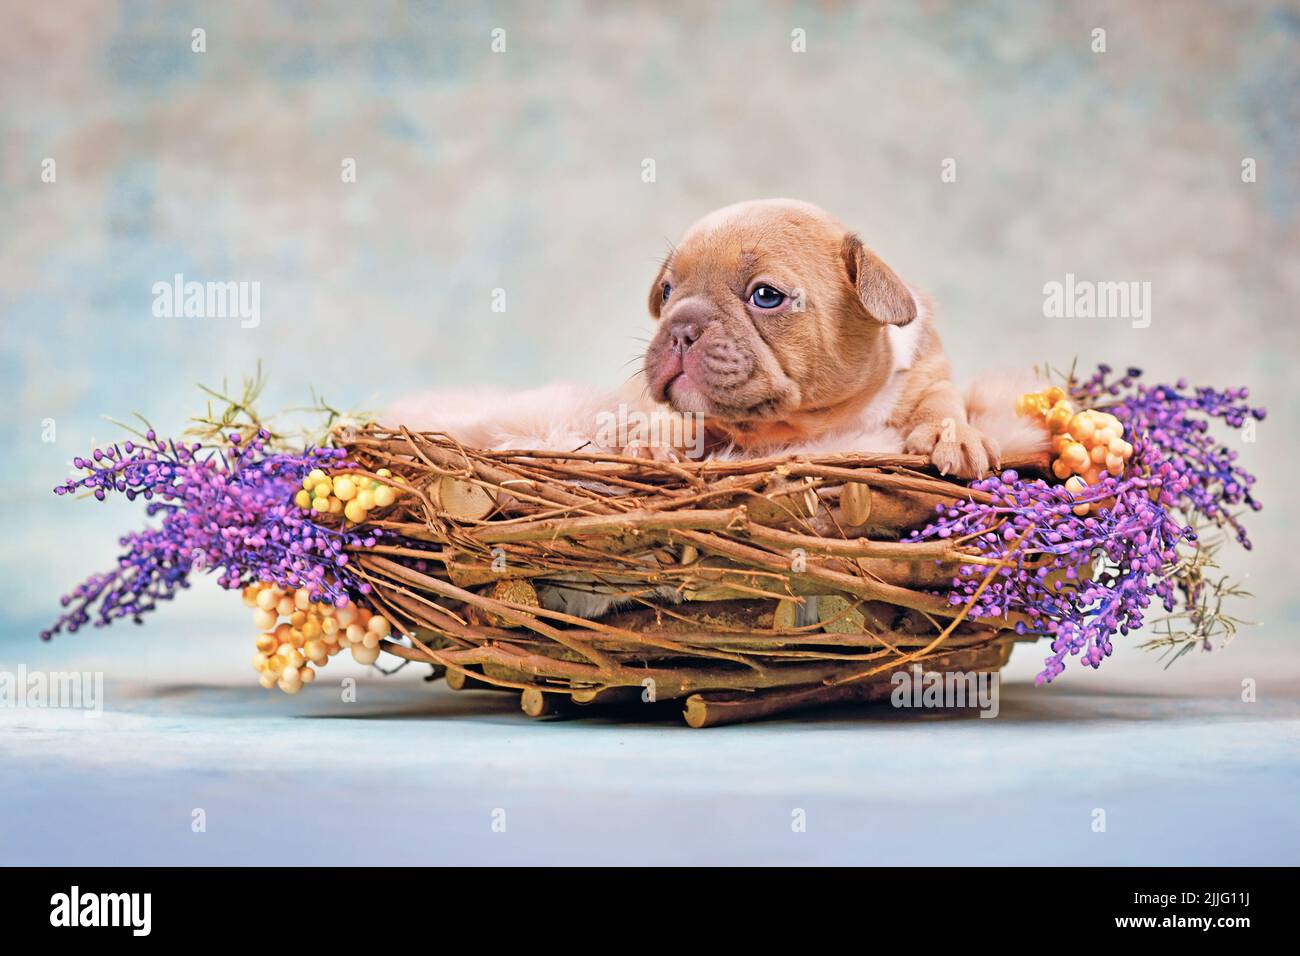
[1085,443]
[347,493]
[313,632]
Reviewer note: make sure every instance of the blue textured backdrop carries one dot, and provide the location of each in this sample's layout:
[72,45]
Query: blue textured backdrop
[522,170]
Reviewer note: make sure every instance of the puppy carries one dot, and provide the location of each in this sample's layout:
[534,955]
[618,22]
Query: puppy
[781,329]
[780,333]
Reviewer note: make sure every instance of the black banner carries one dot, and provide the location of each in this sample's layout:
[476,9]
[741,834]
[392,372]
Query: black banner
[337,905]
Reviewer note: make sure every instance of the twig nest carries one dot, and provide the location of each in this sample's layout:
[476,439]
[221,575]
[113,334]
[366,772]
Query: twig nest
[755,578]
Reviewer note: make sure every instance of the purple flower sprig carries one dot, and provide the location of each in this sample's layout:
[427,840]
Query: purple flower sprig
[1176,422]
[228,509]
[1076,579]
[1080,580]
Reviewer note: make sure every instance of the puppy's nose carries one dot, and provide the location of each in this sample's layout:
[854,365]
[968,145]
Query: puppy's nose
[687,321]
[683,335]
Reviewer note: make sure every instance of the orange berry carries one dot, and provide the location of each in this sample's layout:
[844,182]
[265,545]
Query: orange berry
[1058,419]
[1075,455]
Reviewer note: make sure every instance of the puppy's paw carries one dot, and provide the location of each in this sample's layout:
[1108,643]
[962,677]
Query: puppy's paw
[651,452]
[955,448]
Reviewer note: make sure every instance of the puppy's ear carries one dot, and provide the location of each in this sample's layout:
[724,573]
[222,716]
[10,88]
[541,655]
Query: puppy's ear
[883,294]
[656,301]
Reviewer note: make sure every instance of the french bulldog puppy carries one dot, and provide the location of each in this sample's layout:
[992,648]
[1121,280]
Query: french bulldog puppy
[786,333]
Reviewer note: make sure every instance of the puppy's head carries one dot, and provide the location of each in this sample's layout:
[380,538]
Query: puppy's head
[769,309]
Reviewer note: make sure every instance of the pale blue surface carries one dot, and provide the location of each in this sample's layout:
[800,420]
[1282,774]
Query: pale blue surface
[414,778]
[523,171]
[1186,772]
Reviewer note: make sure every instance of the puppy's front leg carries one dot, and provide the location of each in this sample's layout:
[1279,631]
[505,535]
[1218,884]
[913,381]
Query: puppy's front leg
[937,426]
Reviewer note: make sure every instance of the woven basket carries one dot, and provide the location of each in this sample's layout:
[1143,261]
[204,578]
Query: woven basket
[725,590]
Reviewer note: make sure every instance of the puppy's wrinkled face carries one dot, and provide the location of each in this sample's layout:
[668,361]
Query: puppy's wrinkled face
[766,309]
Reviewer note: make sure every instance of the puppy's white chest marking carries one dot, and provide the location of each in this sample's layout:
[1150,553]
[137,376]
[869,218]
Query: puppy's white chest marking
[903,344]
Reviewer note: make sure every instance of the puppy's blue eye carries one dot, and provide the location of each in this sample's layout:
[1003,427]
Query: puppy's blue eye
[765,297]
[668,290]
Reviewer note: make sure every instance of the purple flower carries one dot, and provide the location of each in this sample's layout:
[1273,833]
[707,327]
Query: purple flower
[229,511]
[1080,580]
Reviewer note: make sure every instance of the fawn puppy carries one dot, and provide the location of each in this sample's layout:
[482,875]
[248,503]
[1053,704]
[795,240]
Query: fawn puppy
[786,333]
